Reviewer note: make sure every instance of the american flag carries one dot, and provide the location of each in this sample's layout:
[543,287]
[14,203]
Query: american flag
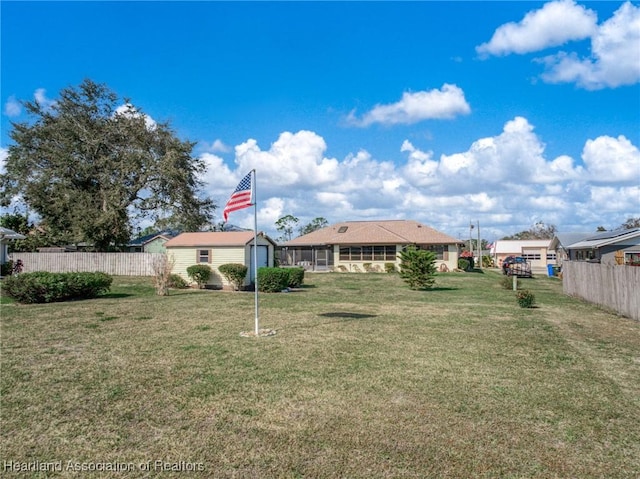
[241,197]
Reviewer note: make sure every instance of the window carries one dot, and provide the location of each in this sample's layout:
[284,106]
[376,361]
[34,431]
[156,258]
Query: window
[551,257]
[203,256]
[343,229]
[531,256]
[632,258]
[368,253]
[438,249]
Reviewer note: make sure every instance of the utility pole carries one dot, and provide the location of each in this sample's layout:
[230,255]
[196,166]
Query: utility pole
[471,240]
[479,248]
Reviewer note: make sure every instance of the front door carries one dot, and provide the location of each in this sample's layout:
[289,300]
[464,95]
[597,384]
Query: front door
[263,260]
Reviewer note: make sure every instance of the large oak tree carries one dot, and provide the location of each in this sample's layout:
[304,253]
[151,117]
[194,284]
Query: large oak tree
[90,165]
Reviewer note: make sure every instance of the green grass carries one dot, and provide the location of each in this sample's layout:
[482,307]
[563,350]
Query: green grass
[364,378]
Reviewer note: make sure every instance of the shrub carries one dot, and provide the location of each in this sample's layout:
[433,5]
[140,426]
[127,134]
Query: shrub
[390,267]
[43,287]
[162,266]
[296,277]
[11,267]
[177,282]
[272,280]
[525,298]
[463,264]
[507,282]
[418,267]
[200,273]
[235,273]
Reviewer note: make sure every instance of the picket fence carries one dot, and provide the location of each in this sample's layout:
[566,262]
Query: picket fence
[612,286]
[117,264]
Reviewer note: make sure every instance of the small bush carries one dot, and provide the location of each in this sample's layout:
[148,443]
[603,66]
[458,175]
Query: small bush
[177,282]
[296,277]
[43,287]
[463,264]
[507,282]
[390,267]
[525,298]
[235,273]
[272,280]
[200,273]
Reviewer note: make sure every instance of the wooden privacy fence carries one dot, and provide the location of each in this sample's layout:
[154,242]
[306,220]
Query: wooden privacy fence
[612,286]
[117,264]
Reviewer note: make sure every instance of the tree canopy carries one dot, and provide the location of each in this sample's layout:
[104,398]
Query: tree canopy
[539,231]
[90,165]
[315,224]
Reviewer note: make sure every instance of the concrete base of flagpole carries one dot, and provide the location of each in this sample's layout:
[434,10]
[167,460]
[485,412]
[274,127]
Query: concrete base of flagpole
[262,333]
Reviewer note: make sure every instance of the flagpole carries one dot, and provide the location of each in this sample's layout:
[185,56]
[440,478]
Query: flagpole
[255,249]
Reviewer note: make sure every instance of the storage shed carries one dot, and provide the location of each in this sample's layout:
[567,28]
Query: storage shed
[218,248]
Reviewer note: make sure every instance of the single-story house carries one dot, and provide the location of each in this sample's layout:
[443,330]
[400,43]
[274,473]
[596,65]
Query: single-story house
[538,253]
[151,243]
[217,248]
[7,235]
[561,241]
[609,247]
[367,246]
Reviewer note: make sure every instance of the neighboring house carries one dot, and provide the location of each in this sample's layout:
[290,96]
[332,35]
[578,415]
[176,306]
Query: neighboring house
[608,247]
[7,235]
[152,243]
[561,241]
[537,252]
[217,248]
[367,246]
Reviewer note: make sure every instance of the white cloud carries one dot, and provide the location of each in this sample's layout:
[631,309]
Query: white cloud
[294,158]
[614,59]
[4,153]
[505,181]
[612,160]
[12,107]
[615,55]
[554,24]
[41,98]
[446,103]
[129,111]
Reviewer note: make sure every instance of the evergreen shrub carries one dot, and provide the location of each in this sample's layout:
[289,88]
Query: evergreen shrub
[296,277]
[200,273]
[272,280]
[235,273]
[44,287]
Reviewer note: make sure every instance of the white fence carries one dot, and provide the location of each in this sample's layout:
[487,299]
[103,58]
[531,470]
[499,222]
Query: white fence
[117,264]
[612,286]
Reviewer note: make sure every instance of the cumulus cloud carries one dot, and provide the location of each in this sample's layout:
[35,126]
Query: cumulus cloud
[554,24]
[12,107]
[446,103]
[294,158]
[613,61]
[615,55]
[505,181]
[612,160]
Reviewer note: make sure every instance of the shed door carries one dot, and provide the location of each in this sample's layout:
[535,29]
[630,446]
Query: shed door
[263,259]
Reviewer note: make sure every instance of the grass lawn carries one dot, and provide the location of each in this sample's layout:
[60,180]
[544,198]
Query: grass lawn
[364,379]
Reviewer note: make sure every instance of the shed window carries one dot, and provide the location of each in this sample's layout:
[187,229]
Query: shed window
[204,256]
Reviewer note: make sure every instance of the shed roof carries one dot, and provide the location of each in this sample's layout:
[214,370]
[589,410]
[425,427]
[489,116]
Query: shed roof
[374,232]
[213,238]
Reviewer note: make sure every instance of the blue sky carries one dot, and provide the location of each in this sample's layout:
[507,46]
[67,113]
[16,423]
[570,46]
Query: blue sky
[506,113]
